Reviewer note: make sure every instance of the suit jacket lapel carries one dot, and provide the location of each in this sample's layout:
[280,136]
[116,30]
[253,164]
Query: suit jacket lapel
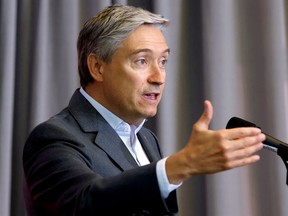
[107,139]
[149,146]
[112,144]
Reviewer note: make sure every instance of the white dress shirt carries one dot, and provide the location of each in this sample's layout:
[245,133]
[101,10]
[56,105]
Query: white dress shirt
[123,129]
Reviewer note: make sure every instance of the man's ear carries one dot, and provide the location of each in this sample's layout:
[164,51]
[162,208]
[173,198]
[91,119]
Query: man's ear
[95,65]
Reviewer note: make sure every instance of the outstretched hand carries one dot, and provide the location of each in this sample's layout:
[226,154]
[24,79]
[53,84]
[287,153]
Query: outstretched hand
[209,151]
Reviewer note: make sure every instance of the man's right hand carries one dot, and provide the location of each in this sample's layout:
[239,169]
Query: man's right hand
[209,151]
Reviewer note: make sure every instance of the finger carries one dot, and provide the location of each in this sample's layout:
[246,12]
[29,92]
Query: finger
[244,152]
[237,133]
[242,143]
[206,117]
[243,162]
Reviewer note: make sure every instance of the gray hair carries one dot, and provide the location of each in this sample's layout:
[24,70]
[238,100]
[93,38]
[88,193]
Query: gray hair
[103,33]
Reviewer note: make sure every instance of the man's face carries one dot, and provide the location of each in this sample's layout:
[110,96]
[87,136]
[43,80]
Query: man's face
[134,79]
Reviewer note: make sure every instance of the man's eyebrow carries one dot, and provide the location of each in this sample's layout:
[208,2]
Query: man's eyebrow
[167,50]
[149,50]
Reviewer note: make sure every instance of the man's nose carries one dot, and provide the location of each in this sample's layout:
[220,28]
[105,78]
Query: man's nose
[157,74]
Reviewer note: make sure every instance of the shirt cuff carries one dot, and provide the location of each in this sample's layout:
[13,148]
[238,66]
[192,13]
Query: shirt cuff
[164,185]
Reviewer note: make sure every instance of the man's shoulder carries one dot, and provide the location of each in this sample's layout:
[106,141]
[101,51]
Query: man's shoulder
[54,126]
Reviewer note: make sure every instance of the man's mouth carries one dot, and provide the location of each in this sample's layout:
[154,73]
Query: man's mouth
[151,96]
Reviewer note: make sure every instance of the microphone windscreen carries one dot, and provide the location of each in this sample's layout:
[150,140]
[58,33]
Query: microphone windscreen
[235,122]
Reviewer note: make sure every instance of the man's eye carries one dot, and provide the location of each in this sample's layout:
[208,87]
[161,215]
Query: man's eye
[163,62]
[141,61]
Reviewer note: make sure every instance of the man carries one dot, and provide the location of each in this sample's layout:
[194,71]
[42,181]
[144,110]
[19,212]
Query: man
[95,157]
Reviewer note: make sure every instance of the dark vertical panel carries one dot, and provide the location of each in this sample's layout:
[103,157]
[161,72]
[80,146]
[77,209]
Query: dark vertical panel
[191,62]
[146,4]
[190,98]
[21,101]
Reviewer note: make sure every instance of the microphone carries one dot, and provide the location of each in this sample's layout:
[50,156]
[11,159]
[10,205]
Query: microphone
[270,143]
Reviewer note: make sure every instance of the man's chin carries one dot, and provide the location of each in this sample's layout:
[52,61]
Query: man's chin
[151,114]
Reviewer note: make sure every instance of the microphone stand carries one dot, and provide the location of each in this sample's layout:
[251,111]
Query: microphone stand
[270,143]
[282,151]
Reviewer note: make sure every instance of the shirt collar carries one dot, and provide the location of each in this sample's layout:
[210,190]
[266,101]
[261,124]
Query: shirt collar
[110,117]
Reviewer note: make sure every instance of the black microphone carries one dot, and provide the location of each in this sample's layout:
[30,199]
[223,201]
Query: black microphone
[269,143]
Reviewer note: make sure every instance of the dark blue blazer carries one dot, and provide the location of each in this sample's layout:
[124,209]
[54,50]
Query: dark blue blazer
[76,164]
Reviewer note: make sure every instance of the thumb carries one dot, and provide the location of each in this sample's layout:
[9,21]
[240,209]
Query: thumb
[206,117]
